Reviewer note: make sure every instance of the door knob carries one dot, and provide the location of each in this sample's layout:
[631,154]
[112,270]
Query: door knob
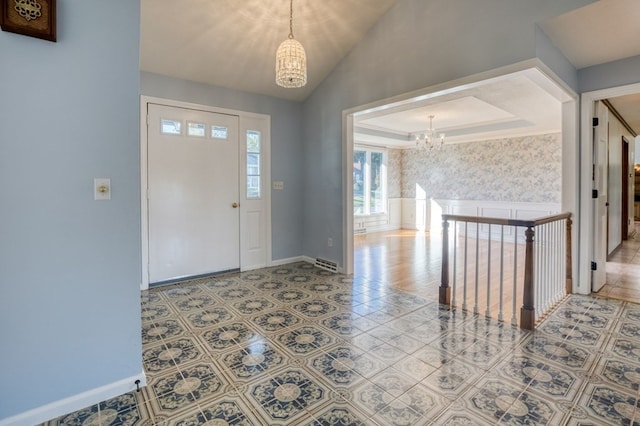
[235,205]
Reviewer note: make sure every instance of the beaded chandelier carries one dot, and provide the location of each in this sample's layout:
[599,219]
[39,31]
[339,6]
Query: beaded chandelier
[291,60]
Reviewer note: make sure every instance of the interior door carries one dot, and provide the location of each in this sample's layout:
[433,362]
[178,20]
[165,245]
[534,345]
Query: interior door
[625,189]
[192,193]
[600,172]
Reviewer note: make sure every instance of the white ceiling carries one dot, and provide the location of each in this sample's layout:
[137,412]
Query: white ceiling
[232,43]
[629,108]
[604,31]
[510,106]
[601,32]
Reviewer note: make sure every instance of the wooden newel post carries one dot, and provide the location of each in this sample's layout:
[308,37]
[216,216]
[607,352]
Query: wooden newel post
[445,290]
[527,313]
[569,265]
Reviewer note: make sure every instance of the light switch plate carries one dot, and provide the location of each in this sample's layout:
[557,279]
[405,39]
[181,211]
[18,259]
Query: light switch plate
[101,189]
[278,184]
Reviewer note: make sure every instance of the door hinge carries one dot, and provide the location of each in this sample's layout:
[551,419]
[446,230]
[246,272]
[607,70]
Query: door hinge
[594,266]
[595,122]
[594,193]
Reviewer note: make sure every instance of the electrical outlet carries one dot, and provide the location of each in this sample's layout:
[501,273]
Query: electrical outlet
[330,242]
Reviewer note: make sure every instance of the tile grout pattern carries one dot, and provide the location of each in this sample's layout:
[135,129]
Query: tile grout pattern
[296,345]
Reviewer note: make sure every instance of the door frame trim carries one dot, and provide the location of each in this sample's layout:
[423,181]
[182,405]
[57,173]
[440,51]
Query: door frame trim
[625,190]
[144,212]
[586,161]
[570,151]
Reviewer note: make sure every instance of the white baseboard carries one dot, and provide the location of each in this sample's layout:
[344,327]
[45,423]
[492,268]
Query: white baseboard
[288,260]
[74,403]
[254,267]
[308,259]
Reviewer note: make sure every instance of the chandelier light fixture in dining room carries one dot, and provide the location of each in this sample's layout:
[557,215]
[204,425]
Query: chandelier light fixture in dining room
[291,60]
[430,139]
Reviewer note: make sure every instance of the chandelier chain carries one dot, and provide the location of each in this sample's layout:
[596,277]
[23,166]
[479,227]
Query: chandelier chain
[291,19]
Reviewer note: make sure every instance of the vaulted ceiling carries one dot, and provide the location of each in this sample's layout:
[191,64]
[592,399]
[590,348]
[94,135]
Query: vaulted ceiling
[232,43]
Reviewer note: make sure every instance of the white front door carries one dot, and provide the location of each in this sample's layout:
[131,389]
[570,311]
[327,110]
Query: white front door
[600,173]
[193,192]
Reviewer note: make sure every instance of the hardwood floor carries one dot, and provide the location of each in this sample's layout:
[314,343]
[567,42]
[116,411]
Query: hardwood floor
[411,261]
[403,259]
[623,271]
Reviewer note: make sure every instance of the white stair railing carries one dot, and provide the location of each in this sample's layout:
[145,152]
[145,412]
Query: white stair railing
[532,259]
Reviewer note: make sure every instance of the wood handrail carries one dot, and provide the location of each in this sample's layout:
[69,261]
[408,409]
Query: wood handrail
[509,222]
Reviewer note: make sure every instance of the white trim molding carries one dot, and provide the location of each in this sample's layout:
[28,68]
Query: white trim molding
[76,402]
[532,68]
[286,261]
[586,237]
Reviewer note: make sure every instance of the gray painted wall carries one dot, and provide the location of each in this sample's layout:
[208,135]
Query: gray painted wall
[69,265]
[609,75]
[416,44]
[548,53]
[286,147]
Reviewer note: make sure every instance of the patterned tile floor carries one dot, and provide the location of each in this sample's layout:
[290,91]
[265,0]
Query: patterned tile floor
[295,345]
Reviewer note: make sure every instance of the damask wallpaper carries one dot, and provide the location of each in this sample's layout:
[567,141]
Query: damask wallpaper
[394,173]
[525,169]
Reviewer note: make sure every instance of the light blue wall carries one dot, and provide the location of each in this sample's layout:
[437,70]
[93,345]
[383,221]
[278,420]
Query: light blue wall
[286,147]
[416,44]
[548,53]
[69,265]
[612,74]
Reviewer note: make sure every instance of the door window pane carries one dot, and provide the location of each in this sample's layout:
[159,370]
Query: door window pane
[170,127]
[253,141]
[219,132]
[196,129]
[253,164]
[253,187]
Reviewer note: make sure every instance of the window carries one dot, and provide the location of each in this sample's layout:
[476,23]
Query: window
[369,181]
[219,132]
[170,127]
[198,130]
[253,164]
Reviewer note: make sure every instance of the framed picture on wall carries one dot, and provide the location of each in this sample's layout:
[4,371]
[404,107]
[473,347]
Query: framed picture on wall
[34,18]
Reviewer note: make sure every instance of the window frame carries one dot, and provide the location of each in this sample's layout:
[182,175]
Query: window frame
[368,150]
